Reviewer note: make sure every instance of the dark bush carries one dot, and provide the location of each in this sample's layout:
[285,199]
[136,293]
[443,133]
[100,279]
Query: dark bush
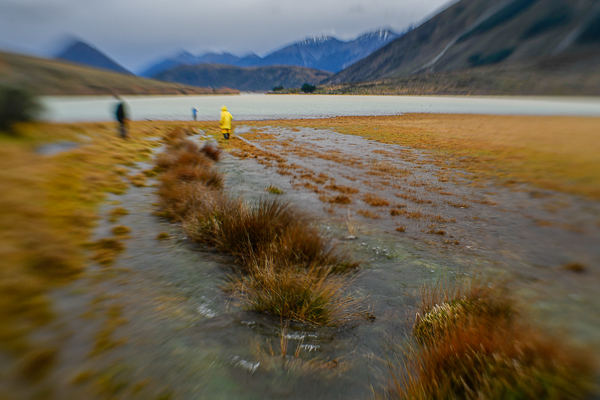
[308,88]
[16,105]
[278,88]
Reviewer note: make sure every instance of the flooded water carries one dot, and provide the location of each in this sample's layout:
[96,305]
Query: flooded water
[178,335]
[260,106]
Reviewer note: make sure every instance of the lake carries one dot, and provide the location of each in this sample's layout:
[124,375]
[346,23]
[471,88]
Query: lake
[261,106]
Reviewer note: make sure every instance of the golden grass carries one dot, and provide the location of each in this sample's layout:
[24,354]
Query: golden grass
[163,236]
[375,201]
[558,153]
[368,214]
[307,295]
[339,199]
[342,189]
[121,230]
[48,208]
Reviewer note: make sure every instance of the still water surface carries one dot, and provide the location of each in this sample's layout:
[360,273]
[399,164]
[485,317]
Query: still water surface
[260,106]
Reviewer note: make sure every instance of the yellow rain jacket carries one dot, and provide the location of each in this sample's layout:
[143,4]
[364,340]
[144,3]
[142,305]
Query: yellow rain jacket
[226,118]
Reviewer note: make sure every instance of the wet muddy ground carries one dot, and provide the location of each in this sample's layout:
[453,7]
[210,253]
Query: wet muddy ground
[156,323]
[533,237]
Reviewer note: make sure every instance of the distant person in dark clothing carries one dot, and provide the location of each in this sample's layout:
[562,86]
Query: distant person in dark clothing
[121,115]
[194,113]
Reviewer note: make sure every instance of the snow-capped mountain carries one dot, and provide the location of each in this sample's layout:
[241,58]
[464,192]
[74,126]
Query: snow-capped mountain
[319,52]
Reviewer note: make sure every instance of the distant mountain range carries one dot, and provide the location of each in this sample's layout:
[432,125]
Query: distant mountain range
[82,53]
[251,79]
[539,34]
[324,53]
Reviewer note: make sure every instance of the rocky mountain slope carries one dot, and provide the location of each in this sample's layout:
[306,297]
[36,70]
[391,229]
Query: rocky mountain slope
[476,33]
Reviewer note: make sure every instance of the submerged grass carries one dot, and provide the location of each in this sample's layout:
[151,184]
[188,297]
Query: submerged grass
[524,149]
[472,343]
[284,267]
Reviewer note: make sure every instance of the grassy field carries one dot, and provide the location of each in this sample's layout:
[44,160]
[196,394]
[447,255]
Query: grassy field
[558,153]
[49,77]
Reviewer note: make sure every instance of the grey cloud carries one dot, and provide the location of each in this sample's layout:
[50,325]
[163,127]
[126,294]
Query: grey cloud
[24,12]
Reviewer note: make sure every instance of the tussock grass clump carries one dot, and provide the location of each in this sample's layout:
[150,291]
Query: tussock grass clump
[574,267]
[368,214]
[342,189]
[339,199]
[294,293]
[473,344]
[211,151]
[284,266]
[106,250]
[121,230]
[163,236]
[375,201]
[117,213]
[273,190]
[138,180]
[269,228]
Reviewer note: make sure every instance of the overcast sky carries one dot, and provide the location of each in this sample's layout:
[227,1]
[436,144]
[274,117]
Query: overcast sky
[137,32]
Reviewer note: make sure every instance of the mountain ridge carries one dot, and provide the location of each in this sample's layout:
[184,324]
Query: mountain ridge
[318,52]
[82,53]
[475,33]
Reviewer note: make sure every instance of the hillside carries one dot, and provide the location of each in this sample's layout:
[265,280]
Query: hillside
[82,53]
[324,53]
[50,77]
[476,33]
[254,79]
[551,76]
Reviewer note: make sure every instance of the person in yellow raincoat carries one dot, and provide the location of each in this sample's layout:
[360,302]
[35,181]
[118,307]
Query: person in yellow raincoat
[226,119]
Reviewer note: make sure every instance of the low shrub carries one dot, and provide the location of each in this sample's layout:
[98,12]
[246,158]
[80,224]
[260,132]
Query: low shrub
[16,105]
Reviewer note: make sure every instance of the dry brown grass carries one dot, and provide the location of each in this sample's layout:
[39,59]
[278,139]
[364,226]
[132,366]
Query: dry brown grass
[121,230]
[472,344]
[106,250]
[574,267]
[413,198]
[530,149]
[312,295]
[138,180]
[339,199]
[342,189]
[375,201]
[368,214]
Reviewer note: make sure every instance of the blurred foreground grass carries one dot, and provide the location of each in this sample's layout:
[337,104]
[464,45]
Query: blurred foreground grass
[48,208]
